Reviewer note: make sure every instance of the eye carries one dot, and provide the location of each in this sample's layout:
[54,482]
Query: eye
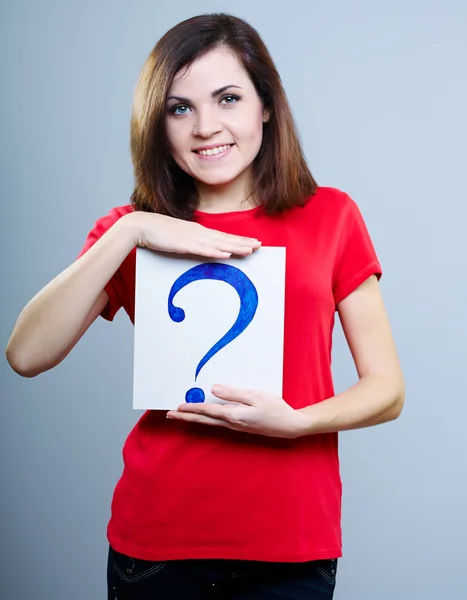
[230,99]
[179,109]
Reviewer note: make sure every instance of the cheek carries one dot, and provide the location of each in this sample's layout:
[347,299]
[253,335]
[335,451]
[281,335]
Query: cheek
[248,129]
[254,132]
[173,137]
[177,139]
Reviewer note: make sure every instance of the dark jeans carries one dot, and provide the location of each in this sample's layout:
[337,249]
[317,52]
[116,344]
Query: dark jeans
[135,579]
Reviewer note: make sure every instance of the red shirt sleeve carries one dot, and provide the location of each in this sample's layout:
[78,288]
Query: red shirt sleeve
[115,287]
[356,259]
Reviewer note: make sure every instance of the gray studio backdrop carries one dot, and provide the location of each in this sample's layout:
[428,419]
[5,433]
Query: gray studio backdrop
[379,92]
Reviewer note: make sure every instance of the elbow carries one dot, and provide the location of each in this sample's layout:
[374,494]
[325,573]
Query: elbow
[397,404]
[20,363]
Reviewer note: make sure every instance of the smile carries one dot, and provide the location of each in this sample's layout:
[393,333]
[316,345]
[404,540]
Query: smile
[213,153]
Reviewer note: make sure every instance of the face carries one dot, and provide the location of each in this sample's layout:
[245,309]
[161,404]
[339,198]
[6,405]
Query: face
[215,119]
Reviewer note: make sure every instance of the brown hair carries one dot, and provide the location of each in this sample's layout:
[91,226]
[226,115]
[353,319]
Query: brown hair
[281,178]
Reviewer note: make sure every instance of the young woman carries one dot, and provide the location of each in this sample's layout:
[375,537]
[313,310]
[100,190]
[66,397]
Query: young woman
[239,500]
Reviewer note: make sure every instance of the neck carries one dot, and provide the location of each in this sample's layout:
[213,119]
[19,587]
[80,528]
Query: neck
[228,197]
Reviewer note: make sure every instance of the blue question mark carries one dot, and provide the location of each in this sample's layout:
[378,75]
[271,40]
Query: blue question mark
[248,305]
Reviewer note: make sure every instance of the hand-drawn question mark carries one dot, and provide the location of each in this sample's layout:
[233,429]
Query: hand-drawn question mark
[248,305]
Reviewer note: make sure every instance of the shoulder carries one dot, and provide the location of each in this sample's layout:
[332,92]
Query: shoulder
[113,215]
[330,200]
[103,224]
[328,207]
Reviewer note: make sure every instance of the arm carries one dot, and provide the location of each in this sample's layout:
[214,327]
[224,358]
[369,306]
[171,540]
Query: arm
[378,396]
[58,316]
[54,320]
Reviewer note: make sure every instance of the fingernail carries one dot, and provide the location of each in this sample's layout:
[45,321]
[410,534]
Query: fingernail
[216,389]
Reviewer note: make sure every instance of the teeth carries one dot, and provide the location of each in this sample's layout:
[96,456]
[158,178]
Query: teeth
[214,151]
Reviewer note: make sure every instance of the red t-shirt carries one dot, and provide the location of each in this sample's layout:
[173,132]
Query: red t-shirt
[193,491]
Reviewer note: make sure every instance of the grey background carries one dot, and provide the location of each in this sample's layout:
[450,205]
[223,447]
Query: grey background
[379,92]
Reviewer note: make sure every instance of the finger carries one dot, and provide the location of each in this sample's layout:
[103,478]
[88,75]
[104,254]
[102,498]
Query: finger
[208,409]
[239,245]
[233,245]
[189,417]
[237,241]
[226,247]
[233,394]
[227,242]
[209,251]
[239,250]
[223,250]
[214,253]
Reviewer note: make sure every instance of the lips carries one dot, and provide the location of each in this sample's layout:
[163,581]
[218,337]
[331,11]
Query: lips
[213,150]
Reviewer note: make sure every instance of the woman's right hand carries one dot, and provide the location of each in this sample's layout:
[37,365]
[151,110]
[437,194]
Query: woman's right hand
[167,234]
[55,319]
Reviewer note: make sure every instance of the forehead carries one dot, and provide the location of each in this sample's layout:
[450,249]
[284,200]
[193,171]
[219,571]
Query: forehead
[212,71]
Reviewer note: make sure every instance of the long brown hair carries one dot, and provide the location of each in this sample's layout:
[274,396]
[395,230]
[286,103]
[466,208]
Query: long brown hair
[281,178]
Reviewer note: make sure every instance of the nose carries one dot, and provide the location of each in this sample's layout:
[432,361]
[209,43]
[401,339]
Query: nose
[206,124]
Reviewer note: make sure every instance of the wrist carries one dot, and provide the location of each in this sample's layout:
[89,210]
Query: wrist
[130,227]
[304,423]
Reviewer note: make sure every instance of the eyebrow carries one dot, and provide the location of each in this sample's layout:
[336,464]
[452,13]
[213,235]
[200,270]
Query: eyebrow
[213,94]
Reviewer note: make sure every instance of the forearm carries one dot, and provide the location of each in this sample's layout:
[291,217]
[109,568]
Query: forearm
[375,399]
[51,323]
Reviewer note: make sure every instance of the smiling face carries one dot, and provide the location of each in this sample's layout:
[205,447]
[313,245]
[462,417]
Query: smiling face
[215,120]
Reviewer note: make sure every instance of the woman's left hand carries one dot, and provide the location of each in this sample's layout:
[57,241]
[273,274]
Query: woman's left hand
[251,411]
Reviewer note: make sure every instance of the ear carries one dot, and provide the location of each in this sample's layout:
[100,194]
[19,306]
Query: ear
[266,115]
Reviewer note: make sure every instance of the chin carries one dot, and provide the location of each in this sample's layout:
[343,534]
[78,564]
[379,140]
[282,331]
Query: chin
[215,178]
[214,181]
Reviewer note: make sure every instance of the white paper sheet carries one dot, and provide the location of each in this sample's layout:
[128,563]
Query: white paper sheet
[167,353]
